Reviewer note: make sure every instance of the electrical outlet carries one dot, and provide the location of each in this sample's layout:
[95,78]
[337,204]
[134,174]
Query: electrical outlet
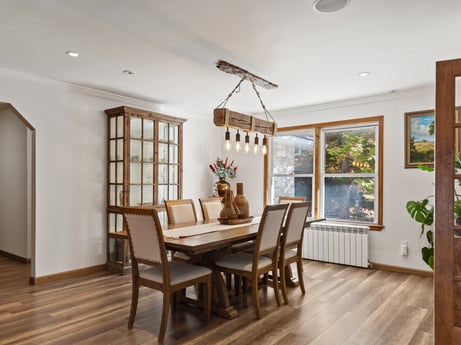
[404,248]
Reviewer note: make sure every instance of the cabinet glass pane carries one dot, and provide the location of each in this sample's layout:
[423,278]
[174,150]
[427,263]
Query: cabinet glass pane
[173,192]
[112,222]
[173,174]
[119,194]
[112,172]
[148,153]
[112,195]
[135,172]
[173,154]
[173,134]
[119,154]
[136,128]
[148,130]
[119,172]
[163,153]
[115,222]
[112,150]
[162,193]
[163,131]
[119,126]
[148,173]
[135,195]
[112,127]
[135,150]
[147,195]
[162,173]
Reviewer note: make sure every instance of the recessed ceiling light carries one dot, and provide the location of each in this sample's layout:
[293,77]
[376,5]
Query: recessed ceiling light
[72,53]
[364,74]
[328,6]
[128,72]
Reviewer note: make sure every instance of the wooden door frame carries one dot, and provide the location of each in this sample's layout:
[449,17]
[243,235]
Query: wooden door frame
[447,268]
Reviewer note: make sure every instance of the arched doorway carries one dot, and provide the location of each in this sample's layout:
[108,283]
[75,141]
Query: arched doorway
[17,186]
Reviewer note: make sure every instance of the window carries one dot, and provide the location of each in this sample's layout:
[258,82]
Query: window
[292,165]
[337,166]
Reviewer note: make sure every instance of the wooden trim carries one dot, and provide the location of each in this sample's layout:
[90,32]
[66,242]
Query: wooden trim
[136,112]
[15,257]
[317,129]
[446,253]
[399,269]
[68,274]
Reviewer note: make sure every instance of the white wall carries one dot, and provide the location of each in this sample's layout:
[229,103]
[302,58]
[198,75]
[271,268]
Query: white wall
[13,187]
[70,126]
[400,184]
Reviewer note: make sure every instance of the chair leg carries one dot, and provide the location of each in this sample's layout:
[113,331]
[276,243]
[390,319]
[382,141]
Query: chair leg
[300,275]
[275,282]
[283,282]
[165,316]
[254,286]
[134,304]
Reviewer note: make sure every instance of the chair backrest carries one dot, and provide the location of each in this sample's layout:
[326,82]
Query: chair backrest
[211,207]
[286,199]
[268,238]
[294,224]
[145,237]
[180,211]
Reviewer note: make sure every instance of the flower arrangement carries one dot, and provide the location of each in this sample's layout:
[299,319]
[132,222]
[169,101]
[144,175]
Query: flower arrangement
[223,169]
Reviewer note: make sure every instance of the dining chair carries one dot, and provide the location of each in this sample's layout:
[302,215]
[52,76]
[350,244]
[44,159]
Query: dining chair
[287,199]
[147,247]
[180,211]
[211,208]
[291,244]
[252,266]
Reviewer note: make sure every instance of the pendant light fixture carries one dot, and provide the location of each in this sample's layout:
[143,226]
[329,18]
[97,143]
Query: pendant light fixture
[243,122]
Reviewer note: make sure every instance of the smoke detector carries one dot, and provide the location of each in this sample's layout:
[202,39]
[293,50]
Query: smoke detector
[328,6]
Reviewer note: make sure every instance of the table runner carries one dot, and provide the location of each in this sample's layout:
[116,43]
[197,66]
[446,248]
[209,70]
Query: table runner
[198,229]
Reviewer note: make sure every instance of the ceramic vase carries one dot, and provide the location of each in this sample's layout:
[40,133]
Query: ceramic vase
[229,210]
[220,187]
[242,202]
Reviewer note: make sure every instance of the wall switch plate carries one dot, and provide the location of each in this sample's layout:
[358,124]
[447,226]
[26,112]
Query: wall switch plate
[404,248]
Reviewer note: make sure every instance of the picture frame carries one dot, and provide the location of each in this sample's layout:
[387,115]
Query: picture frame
[419,138]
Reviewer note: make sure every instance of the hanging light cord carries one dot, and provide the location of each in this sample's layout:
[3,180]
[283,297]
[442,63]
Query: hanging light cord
[266,112]
[236,89]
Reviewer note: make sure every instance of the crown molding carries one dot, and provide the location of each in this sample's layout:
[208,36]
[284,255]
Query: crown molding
[353,102]
[81,89]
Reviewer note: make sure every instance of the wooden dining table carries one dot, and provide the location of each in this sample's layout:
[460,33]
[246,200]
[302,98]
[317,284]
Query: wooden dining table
[212,242]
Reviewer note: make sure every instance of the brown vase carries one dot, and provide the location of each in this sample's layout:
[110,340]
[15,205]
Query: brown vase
[228,211]
[242,202]
[220,187]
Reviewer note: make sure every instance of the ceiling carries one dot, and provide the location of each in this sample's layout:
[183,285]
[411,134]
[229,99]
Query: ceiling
[172,47]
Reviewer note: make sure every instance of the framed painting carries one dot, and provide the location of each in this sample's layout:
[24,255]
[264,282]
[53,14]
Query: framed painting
[419,138]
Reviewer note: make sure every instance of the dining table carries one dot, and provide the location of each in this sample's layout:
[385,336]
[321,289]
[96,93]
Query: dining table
[205,242]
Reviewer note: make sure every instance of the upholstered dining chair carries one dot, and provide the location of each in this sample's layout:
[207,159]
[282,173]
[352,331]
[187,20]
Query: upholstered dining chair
[147,247]
[287,199]
[252,266]
[211,208]
[291,244]
[180,211]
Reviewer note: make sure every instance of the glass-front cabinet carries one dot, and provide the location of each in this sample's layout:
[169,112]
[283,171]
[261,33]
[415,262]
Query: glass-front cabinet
[144,169]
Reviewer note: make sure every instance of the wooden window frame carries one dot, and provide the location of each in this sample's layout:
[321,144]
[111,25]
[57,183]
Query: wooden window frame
[379,120]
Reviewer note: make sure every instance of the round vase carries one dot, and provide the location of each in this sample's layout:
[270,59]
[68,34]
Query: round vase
[220,187]
[242,202]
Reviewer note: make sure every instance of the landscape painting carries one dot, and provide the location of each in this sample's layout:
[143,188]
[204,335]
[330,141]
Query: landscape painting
[419,138]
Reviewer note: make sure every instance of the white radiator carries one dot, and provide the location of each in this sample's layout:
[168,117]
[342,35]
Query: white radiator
[345,244]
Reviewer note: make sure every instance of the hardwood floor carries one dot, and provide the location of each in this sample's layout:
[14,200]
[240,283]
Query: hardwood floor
[342,305]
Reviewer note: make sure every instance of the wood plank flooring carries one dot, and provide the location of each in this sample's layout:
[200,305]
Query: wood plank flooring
[342,305]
